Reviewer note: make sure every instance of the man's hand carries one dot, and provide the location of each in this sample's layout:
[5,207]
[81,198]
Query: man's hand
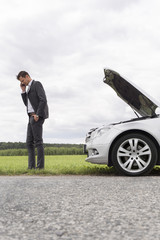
[36,118]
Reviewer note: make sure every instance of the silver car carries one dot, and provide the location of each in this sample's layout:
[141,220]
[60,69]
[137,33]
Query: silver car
[133,146]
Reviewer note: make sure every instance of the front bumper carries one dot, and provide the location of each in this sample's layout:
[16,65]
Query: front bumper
[97,154]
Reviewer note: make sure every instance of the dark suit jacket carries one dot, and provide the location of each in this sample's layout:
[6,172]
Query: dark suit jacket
[37,98]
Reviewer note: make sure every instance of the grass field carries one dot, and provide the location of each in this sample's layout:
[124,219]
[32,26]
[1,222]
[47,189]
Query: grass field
[54,165]
[57,165]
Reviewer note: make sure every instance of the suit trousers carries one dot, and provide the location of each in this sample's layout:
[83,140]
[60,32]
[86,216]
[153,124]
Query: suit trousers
[34,139]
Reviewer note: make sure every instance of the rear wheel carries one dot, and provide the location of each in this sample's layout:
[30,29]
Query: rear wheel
[134,154]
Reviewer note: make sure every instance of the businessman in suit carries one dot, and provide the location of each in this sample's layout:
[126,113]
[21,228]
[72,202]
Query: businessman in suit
[35,100]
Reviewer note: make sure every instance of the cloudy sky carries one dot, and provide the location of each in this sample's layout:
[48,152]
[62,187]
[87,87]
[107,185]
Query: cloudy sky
[66,44]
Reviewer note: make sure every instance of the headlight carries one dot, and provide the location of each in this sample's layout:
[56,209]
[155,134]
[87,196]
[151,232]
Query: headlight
[99,132]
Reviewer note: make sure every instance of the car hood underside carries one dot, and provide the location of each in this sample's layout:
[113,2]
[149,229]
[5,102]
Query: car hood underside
[137,100]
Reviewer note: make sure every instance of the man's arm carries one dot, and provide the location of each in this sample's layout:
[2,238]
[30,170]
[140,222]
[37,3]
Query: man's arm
[42,98]
[24,97]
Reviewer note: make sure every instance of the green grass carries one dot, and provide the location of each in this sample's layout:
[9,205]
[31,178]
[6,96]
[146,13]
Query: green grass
[57,165]
[54,165]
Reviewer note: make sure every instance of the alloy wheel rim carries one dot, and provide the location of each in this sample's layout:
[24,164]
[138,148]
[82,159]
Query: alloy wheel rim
[134,155]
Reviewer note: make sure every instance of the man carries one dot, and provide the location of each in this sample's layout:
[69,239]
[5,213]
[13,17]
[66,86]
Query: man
[37,109]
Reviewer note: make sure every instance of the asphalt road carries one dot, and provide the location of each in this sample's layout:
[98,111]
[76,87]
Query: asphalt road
[80,207]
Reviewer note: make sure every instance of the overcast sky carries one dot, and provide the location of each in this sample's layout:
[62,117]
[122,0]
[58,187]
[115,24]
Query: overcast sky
[66,44]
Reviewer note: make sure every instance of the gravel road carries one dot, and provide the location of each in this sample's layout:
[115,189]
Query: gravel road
[80,208]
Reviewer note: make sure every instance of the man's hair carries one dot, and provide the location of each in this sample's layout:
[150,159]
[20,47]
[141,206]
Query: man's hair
[22,74]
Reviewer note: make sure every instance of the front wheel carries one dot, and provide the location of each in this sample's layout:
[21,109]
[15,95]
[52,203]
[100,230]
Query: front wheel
[134,154]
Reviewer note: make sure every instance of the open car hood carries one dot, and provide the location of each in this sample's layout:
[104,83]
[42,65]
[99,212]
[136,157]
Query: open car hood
[134,97]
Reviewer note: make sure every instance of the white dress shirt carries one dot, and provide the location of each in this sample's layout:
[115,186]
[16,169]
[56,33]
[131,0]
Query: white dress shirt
[30,108]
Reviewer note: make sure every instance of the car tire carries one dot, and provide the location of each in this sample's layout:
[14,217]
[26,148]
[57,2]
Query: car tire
[134,154]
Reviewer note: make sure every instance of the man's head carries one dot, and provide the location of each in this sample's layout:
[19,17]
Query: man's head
[24,77]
